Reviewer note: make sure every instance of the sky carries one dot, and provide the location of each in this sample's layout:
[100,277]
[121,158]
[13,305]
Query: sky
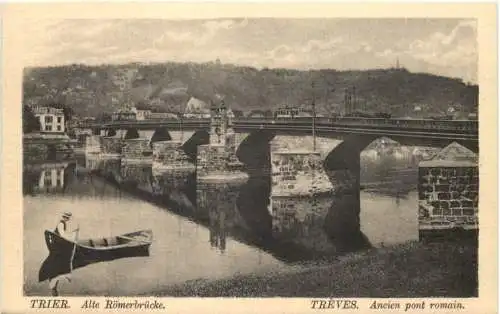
[445,47]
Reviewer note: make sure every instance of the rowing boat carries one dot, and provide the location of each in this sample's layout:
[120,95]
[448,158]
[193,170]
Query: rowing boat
[61,259]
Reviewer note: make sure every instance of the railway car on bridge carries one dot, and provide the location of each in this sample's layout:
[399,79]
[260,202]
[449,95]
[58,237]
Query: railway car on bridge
[124,116]
[376,122]
[286,112]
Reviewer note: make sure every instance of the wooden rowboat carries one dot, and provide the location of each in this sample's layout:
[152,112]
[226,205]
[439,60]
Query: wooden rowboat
[89,251]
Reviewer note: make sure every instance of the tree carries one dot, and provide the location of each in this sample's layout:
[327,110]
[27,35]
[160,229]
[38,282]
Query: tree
[30,121]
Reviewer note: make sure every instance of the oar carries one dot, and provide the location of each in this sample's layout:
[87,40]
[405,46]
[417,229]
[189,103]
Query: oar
[74,249]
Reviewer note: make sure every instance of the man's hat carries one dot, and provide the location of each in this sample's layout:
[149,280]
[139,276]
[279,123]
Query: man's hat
[67,215]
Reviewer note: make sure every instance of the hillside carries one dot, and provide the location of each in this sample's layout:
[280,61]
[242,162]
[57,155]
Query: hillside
[90,90]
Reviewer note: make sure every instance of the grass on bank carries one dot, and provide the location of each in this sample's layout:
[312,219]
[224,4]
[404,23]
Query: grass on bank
[410,270]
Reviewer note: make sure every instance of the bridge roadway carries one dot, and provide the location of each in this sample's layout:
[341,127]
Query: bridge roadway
[459,130]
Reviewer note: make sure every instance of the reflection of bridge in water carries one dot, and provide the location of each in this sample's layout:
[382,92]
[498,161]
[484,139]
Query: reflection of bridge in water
[245,212]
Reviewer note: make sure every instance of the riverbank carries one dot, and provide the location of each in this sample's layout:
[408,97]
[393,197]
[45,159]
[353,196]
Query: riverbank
[410,270]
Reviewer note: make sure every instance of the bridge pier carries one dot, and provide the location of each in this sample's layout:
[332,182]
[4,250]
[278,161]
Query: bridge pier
[169,157]
[448,192]
[136,151]
[298,173]
[217,161]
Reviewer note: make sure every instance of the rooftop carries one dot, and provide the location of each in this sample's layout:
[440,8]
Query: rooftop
[47,110]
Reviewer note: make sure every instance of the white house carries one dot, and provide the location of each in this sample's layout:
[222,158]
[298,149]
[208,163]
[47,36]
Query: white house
[51,119]
[196,108]
[141,114]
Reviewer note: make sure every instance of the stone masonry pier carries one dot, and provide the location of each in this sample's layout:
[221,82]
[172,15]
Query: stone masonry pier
[448,192]
[298,173]
[218,163]
[136,151]
[168,156]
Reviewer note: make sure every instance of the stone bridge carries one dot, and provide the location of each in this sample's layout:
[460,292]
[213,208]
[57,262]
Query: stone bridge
[299,158]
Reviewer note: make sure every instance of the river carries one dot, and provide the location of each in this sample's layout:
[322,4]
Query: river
[200,231]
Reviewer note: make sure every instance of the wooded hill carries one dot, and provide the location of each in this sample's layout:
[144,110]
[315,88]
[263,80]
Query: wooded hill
[91,90]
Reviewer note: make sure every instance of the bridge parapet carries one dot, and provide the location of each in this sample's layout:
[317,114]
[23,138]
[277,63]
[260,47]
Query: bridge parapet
[462,126]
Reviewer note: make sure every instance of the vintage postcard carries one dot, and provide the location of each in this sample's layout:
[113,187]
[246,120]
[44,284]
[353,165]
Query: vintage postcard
[243,158]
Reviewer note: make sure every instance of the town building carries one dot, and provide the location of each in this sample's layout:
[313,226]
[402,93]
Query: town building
[196,108]
[141,114]
[51,119]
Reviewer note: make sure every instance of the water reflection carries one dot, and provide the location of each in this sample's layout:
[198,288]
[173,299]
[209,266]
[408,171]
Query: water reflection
[302,220]
[217,203]
[180,250]
[247,211]
[234,226]
[47,177]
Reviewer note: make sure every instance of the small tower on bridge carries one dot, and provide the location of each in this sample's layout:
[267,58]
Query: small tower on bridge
[218,160]
[220,124]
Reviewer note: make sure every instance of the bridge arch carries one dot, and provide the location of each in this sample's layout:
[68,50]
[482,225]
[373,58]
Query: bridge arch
[255,151]
[190,147]
[160,134]
[343,165]
[131,134]
[346,154]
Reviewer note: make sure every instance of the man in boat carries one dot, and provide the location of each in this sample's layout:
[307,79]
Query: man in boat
[64,230]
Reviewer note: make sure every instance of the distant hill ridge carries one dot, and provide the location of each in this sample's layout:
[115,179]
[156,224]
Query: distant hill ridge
[91,90]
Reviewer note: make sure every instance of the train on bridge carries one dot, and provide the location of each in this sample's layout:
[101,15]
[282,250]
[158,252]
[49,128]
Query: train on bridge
[448,125]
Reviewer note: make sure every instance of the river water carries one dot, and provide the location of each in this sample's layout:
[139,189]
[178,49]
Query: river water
[201,231]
